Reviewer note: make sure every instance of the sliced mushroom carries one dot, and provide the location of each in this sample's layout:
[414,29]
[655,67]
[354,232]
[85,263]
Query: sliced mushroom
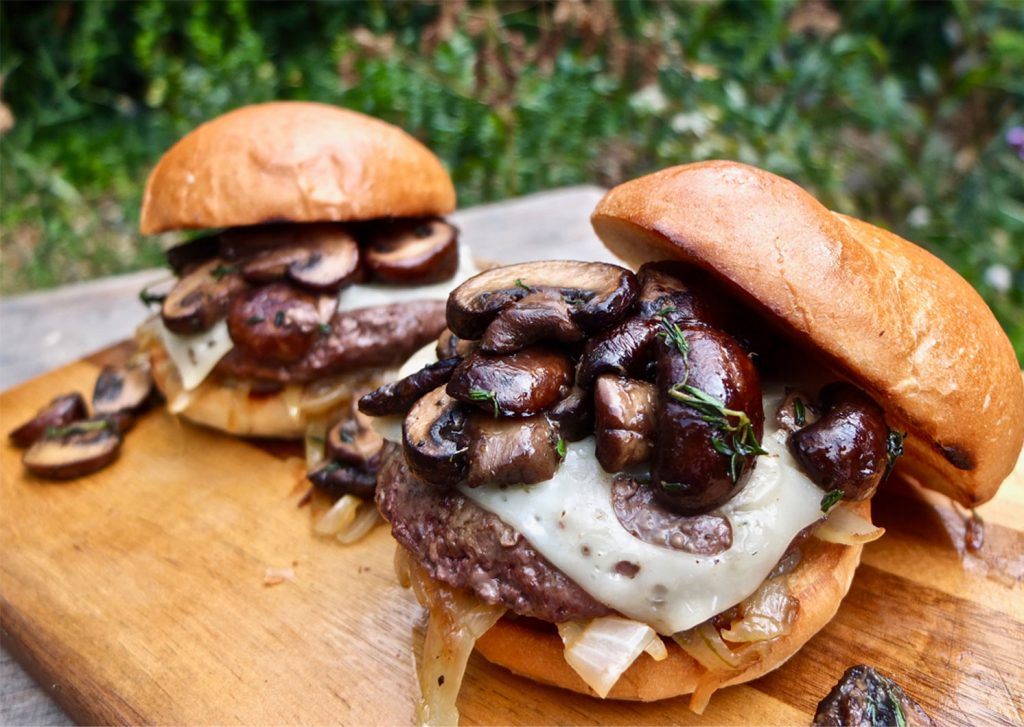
[520,384]
[450,346]
[624,350]
[397,397]
[796,411]
[201,298]
[623,422]
[710,419]
[183,258]
[354,441]
[122,389]
[573,416]
[679,292]
[326,259]
[511,451]
[336,480]
[413,252]
[434,438]
[542,316]
[60,412]
[847,448]
[642,515]
[240,243]
[597,294]
[78,449]
[274,322]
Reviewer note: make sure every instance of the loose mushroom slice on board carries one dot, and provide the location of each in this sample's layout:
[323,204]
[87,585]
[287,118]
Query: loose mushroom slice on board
[122,388]
[434,438]
[75,450]
[60,412]
[413,252]
[201,298]
[597,294]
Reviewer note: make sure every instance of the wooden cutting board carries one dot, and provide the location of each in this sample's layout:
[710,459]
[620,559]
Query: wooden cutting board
[137,595]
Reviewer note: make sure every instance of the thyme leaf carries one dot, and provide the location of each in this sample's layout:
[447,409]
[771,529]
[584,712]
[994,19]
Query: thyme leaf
[897,708]
[148,298]
[222,271]
[799,412]
[325,329]
[94,425]
[521,284]
[830,499]
[485,395]
[674,335]
[279,318]
[894,449]
[560,448]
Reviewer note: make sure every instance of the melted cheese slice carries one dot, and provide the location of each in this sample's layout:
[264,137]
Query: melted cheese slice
[195,356]
[569,519]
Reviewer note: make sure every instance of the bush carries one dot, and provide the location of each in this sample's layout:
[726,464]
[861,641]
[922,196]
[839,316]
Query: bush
[898,113]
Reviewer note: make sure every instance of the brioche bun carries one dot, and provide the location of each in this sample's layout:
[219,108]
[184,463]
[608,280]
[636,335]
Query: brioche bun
[293,162]
[819,583]
[230,408]
[881,311]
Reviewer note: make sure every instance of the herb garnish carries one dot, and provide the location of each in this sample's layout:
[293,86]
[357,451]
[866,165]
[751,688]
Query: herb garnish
[894,448]
[830,499]
[897,708]
[222,271]
[560,448]
[799,413]
[674,335]
[76,428]
[665,310]
[325,329]
[521,284]
[279,318]
[147,298]
[253,320]
[485,395]
[743,442]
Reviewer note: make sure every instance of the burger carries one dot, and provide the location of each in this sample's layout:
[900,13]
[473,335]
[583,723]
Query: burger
[324,263]
[643,485]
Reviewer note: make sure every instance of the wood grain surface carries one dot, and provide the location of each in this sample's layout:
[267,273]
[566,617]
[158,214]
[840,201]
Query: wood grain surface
[138,594]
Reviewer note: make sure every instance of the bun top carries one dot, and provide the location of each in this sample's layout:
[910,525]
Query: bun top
[881,311]
[293,162]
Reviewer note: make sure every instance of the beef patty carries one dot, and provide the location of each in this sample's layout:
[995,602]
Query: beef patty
[461,544]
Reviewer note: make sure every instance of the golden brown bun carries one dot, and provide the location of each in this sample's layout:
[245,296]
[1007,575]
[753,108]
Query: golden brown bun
[819,582]
[885,313]
[230,408]
[293,162]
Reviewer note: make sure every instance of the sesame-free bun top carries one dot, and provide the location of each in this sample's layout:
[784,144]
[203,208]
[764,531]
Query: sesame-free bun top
[881,311]
[293,161]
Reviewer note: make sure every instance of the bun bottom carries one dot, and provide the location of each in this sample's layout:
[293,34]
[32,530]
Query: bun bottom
[819,583]
[231,407]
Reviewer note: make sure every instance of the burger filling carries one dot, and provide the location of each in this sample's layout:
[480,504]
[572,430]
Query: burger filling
[596,450]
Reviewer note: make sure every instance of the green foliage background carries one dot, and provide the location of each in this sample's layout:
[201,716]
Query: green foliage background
[895,112]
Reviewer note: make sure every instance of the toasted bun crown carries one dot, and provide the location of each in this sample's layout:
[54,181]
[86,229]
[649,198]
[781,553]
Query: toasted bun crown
[885,313]
[293,162]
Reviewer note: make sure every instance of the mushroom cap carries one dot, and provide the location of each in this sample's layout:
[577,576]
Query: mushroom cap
[293,161]
[879,310]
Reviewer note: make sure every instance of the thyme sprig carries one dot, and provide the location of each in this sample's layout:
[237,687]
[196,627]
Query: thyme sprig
[737,439]
[799,412]
[674,336]
[486,395]
[830,499]
[520,284]
[94,425]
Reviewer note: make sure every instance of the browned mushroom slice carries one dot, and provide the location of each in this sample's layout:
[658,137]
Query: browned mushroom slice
[709,420]
[676,291]
[597,294]
[398,396]
[511,451]
[520,384]
[275,322]
[60,412]
[326,259]
[413,252]
[848,448]
[573,416]
[201,298]
[796,411]
[122,388]
[355,442]
[451,346]
[623,422]
[239,243]
[183,258]
[624,350]
[73,451]
[540,316]
[434,438]
[336,480]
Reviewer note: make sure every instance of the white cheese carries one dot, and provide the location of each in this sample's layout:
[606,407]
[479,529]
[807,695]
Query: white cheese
[570,520]
[195,356]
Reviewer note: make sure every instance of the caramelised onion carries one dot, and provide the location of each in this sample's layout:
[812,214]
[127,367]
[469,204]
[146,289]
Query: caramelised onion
[602,649]
[315,442]
[846,527]
[706,646]
[457,620]
[339,517]
[366,518]
[767,614]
